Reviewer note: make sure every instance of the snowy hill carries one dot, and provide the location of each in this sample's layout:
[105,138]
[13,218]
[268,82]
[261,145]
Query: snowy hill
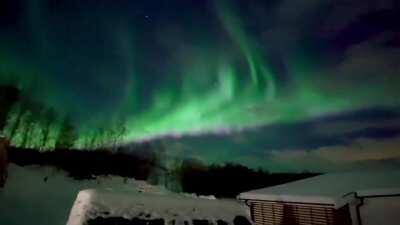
[44,196]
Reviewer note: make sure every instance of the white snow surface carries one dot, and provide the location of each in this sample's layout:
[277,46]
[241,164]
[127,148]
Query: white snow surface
[93,203]
[381,211]
[333,188]
[28,199]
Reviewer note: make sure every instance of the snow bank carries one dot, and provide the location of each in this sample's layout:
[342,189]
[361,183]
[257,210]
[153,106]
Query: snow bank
[44,196]
[91,204]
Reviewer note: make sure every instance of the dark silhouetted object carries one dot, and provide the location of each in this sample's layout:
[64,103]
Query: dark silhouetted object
[229,180]
[289,217]
[123,221]
[86,164]
[201,222]
[240,220]
[67,136]
[3,161]
[8,97]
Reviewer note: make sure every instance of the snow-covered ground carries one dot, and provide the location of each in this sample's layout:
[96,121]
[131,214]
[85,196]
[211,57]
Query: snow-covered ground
[44,196]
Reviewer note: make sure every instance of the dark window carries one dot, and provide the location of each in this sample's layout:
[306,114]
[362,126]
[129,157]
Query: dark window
[221,222]
[156,222]
[123,221]
[241,220]
[201,222]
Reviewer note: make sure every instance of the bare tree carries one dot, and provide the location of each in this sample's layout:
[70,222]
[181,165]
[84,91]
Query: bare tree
[14,120]
[94,139]
[27,127]
[8,97]
[118,133]
[67,136]
[48,119]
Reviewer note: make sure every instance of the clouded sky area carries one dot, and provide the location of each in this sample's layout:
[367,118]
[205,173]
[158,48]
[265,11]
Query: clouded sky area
[287,85]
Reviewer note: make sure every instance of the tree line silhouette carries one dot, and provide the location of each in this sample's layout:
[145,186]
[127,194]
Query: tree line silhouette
[40,136]
[30,124]
[193,176]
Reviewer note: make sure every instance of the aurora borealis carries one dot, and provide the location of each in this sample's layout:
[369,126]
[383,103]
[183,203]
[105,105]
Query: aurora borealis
[224,80]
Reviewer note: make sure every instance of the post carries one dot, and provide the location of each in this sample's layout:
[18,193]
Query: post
[3,161]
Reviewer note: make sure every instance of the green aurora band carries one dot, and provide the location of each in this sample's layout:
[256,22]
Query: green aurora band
[230,98]
[217,92]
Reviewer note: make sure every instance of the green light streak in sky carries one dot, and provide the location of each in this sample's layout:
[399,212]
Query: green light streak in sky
[231,99]
[228,87]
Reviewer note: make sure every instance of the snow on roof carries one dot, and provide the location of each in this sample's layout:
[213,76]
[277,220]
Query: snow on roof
[92,203]
[332,189]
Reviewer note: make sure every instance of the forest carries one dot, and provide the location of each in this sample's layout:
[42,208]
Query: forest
[39,136]
[29,124]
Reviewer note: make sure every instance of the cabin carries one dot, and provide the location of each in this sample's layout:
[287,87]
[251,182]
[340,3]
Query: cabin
[353,198]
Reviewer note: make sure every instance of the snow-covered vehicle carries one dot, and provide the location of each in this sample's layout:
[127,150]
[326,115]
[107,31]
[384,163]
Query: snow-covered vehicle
[108,207]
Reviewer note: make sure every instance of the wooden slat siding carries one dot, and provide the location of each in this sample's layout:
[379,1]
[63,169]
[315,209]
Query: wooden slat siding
[283,213]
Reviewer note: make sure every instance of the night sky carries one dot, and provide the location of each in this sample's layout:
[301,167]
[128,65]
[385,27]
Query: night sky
[287,85]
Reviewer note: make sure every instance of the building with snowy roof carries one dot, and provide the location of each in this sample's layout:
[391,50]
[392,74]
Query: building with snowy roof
[356,198]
